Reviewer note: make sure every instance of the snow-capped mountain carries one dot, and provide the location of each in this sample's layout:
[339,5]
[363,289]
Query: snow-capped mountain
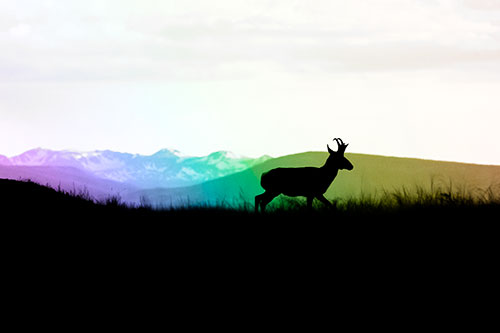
[4,160]
[165,168]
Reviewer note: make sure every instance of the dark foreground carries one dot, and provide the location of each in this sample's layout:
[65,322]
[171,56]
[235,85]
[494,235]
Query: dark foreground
[405,226]
[62,246]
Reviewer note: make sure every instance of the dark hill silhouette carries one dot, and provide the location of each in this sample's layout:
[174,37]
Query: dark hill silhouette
[31,202]
[26,199]
[66,178]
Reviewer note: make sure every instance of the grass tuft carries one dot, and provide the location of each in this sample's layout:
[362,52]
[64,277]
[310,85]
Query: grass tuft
[434,202]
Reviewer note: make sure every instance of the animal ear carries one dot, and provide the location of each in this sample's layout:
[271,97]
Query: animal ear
[329,150]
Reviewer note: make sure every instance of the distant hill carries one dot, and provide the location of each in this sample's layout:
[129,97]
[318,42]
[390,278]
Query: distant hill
[372,175]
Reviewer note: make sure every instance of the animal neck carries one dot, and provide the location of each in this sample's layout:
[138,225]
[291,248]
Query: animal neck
[329,171]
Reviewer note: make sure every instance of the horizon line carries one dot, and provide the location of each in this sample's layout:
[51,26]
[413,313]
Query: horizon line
[238,155]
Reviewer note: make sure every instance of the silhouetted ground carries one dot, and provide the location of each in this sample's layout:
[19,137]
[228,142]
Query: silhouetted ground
[366,250]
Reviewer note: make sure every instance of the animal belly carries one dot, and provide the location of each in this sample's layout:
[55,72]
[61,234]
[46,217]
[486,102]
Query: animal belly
[303,190]
[297,194]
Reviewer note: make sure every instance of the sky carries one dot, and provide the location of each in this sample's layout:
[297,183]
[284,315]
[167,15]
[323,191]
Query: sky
[409,78]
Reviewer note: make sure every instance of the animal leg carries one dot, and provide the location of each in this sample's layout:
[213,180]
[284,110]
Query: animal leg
[309,202]
[266,198]
[258,199]
[324,200]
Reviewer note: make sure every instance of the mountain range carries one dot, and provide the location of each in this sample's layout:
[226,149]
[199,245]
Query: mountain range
[168,178]
[165,168]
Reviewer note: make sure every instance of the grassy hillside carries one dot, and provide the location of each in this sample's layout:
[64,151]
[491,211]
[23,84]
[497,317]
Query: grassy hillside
[28,201]
[373,176]
[66,178]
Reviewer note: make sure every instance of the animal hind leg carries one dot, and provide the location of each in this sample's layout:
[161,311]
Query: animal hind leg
[258,199]
[266,198]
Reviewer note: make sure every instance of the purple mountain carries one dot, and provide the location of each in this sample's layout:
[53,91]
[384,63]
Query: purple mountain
[166,168]
[4,160]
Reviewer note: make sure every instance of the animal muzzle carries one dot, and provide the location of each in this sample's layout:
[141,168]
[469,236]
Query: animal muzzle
[349,167]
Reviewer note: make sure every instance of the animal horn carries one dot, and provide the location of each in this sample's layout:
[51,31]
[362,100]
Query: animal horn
[341,145]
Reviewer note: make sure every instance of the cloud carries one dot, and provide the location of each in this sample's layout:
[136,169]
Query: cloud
[482,4]
[170,40]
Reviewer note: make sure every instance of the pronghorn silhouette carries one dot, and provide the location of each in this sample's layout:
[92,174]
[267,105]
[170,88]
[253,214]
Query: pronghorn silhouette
[309,182]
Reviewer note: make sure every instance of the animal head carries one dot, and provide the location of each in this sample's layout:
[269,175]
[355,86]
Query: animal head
[336,159]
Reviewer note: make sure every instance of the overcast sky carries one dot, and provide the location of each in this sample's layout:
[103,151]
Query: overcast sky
[393,77]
